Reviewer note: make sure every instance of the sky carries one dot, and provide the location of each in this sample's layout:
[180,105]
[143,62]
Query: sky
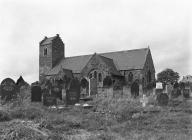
[89,26]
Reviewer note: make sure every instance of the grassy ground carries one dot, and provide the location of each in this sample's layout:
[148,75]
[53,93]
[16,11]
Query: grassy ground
[109,119]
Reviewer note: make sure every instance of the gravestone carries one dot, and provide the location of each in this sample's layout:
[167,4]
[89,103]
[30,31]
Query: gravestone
[175,93]
[93,86]
[36,93]
[186,93]
[162,99]
[20,82]
[8,89]
[49,100]
[117,89]
[73,92]
[57,92]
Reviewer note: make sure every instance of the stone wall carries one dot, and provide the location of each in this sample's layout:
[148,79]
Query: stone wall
[58,51]
[137,75]
[149,66]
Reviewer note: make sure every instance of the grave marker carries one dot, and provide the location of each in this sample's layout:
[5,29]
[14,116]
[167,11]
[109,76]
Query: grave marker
[8,89]
[36,93]
[186,93]
[93,86]
[73,92]
[57,92]
[163,99]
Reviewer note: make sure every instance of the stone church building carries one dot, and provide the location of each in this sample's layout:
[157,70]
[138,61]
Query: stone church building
[134,67]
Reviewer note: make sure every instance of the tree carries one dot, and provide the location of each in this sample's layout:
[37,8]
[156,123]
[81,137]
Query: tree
[168,76]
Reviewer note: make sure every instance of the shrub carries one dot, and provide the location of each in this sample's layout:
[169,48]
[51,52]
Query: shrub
[4,116]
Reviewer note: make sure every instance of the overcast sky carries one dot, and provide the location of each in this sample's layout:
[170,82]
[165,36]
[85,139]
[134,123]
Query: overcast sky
[88,26]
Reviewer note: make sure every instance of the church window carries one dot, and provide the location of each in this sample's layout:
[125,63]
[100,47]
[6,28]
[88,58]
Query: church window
[149,76]
[90,75]
[143,81]
[95,74]
[130,77]
[45,51]
[100,77]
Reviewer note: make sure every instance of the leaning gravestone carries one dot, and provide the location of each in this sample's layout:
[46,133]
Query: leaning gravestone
[73,92]
[36,93]
[162,99]
[8,89]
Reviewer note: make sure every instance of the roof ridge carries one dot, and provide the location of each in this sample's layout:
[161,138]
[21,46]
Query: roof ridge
[108,52]
[105,57]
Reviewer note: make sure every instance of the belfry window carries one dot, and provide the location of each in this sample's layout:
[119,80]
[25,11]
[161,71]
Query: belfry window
[45,52]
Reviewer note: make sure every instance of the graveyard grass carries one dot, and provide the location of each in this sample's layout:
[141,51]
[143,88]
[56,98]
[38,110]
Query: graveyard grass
[109,119]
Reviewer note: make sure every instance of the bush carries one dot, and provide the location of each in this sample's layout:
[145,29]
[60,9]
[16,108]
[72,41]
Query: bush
[4,116]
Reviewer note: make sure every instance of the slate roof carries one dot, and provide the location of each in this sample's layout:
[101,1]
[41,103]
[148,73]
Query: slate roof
[56,71]
[123,60]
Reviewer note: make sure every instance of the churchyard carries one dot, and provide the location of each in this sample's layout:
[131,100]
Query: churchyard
[44,112]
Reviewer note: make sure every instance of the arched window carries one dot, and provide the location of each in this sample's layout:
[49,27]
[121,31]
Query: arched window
[149,76]
[143,81]
[100,77]
[90,75]
[45,52]
[130,77]
[95,74]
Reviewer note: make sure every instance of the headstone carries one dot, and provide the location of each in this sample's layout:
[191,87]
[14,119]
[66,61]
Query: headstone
[117,89]
[73,92]
[163,99]
[186,93]
[8,89]
[175,93]
[159,85]
[57,92]
[20,82]
[93,86]
[36,93]
[144,100]
[169,88]
[63,94]
[49,100]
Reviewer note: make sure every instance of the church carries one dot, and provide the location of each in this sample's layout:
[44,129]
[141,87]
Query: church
[134,67]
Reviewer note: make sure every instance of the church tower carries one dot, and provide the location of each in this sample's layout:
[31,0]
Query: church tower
[51,51]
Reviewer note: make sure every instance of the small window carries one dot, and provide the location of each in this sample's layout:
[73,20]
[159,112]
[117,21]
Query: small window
[100,77]
[95,74]
[130,77]
[45,51]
